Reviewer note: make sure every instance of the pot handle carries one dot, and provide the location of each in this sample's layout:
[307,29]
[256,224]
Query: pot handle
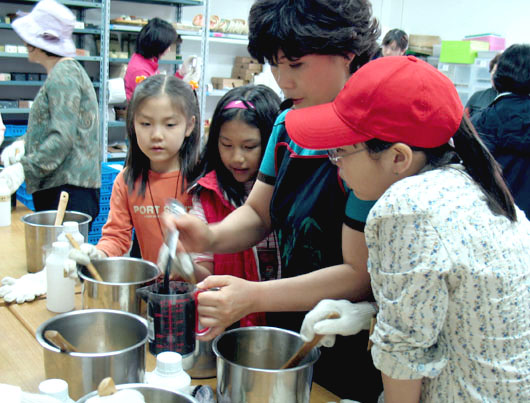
[143,293]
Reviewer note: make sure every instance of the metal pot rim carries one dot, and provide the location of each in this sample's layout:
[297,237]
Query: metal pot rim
[24,219]
[84,277]
[250,328]
[44,343]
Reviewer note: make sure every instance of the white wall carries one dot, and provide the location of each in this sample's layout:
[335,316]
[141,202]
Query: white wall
[453,19]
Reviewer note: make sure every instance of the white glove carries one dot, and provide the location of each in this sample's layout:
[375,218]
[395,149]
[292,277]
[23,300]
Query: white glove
[87,253]
[354,317]
[182,264]
[12,177]
[13,153]
[70,269]
[190,70]
[26,288]
[2,130]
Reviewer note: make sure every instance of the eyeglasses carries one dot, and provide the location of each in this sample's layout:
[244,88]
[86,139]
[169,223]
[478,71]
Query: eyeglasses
[334,157]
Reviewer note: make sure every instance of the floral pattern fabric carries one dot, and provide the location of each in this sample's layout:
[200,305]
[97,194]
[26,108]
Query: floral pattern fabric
[452,281]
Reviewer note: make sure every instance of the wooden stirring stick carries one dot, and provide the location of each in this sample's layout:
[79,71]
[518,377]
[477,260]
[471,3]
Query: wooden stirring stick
[59,341]
[306,347]
[91,268]
[107,387]
[63,201]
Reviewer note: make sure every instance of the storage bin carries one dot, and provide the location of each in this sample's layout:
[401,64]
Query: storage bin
[25,198]
[461,51]
[495,42]
[15,130]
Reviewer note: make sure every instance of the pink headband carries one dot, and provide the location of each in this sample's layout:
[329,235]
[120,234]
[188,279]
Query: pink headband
[239,105]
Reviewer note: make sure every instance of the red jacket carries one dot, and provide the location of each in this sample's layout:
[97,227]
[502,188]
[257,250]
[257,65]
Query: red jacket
[242,264]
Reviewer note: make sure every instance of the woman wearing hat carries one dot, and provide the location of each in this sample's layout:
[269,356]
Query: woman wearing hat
[60,150]
[448,249]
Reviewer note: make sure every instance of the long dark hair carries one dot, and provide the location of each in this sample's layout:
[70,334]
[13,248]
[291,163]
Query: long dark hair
[262,107]
[478,161]
[183,98]
[303,27]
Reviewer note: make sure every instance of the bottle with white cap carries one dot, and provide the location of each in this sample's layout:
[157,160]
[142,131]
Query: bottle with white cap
[60,289]
[57,388]
[72,228]
[169,373]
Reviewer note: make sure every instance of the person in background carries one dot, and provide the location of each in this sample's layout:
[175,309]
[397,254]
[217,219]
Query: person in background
[163,132]
[482,99]
[241,125]
[504,126]
[448,249]
[61,149]
[395,43]
[153,41]
[2,130]
[313,47]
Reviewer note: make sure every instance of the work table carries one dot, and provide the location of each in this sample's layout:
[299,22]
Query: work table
[22,361]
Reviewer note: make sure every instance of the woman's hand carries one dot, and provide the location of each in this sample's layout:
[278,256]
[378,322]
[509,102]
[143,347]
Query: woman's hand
[219,309]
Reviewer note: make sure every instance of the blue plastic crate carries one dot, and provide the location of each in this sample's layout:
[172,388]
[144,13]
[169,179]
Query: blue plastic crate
[25,198]
[15,130]
[108,173]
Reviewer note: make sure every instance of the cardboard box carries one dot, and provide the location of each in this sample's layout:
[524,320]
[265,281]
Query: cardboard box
[25,103]
[256,68]
[221,83]
[463,52]
[424,44]
[245,60]
[243,74]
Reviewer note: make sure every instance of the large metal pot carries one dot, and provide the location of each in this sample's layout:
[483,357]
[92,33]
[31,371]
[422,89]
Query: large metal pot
[122,276]
[248,362]
[204,361]
[40,232]
[151,394]
[109,343]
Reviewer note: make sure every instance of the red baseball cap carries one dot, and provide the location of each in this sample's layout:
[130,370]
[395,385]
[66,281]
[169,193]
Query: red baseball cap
[398,99]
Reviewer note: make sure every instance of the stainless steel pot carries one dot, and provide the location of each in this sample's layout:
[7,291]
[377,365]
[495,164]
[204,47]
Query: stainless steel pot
[248,359]
[40,232]
[151,394]
[122,276]
[204,361]
[110,343]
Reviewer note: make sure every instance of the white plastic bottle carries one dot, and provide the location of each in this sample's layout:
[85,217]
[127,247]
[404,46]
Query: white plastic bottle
[72,228]
[57,388]
[60,289]
[169,373]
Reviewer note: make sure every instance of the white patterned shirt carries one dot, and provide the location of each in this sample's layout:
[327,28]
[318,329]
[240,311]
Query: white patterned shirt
[452,281]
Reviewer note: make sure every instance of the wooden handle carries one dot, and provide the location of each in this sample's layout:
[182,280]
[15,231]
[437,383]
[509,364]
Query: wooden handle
[306,347]
[59,341]
[91,268]
[107,387]
[61,208]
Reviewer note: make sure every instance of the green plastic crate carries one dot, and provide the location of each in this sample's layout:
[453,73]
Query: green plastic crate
[461,51]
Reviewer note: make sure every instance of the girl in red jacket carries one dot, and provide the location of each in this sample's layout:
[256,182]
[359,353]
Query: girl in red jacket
[240,129]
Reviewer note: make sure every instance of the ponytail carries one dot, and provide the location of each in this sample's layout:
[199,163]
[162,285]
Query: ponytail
[479,163]
[484,170]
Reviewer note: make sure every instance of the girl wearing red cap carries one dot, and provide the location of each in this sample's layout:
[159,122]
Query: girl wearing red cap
[448,249]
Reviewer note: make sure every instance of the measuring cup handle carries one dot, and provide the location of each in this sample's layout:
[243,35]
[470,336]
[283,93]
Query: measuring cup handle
[205,330]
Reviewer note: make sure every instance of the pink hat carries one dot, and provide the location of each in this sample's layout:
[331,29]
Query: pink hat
[398,99]
[48,26]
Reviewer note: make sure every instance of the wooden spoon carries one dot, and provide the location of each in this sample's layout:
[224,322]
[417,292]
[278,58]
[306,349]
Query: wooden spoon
[107,387]
[59,341]
[306,347]
[91,268]
[63,201]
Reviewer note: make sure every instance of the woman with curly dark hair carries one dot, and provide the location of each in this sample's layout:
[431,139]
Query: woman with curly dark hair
[313,47]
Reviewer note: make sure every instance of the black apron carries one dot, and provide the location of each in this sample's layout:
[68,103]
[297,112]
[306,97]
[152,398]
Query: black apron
[307,212]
